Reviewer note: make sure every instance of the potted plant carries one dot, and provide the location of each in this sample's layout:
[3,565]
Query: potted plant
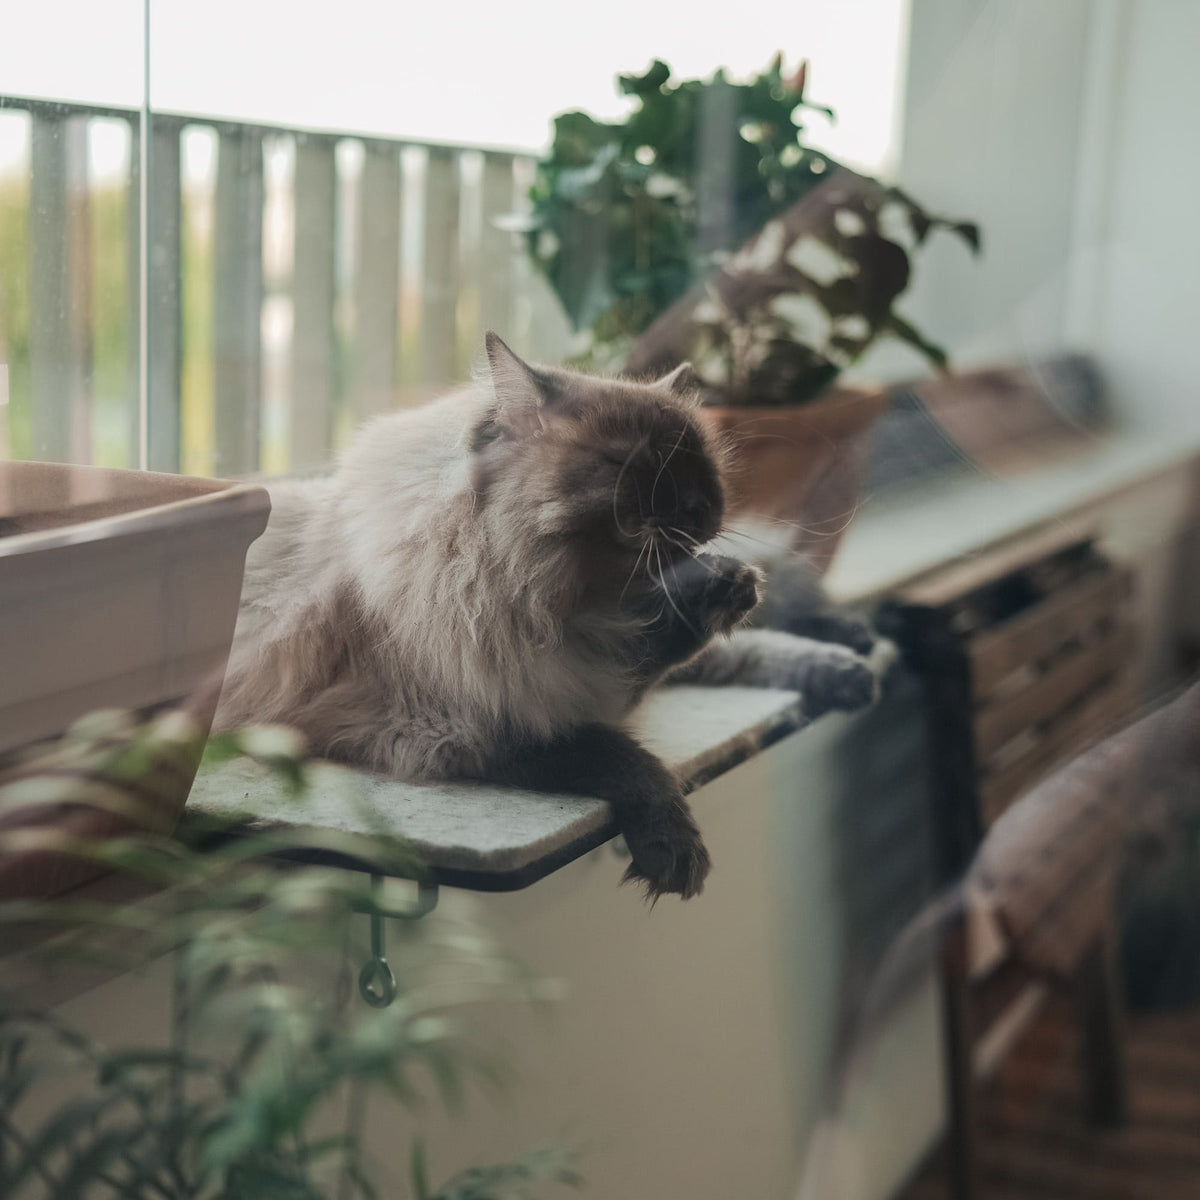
[702,228]
[265,1043]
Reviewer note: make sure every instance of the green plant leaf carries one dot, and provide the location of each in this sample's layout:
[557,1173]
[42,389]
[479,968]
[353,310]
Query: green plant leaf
[619,221]
[906,332]
[87,1166]
[361,1180]
[510,1181]
[969,232]
[640,85]
[259,1056]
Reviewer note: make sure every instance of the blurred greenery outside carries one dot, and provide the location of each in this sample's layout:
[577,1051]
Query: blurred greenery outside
[14,313]
[112,375]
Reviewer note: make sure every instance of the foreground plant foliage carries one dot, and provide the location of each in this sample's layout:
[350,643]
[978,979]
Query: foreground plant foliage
[261,1089]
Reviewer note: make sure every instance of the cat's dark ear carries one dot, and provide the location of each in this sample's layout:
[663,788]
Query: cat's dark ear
[680,382]
[520,396]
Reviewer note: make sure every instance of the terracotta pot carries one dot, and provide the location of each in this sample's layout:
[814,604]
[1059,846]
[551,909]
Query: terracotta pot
[801,465]
[118,590]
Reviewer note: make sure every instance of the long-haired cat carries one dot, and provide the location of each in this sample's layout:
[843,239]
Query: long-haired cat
[486,586]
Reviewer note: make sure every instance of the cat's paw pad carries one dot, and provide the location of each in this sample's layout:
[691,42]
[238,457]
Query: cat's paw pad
[667,860]
[842,682]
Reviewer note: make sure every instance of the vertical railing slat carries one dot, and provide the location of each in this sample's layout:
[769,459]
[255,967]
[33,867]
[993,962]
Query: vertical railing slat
[466,273]
[496,249]
[237,300]
[59,289]
[717,161]
[541,327]
[314,386]
[165,307]
[439,284]
[133,293]
[377,295]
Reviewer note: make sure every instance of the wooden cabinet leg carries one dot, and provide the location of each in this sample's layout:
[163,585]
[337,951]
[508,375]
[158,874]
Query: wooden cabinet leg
[959,1066]
[1101,1021]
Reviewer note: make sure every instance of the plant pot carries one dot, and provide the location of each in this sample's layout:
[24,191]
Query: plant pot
[118,590]
[800,465]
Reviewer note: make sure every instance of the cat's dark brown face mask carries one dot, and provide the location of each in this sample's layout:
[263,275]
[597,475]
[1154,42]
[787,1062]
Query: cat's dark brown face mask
[624,468]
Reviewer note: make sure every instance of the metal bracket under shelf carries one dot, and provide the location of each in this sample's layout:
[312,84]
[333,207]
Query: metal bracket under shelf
[376,981]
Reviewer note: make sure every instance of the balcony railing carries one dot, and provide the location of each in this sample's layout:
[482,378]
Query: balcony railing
[298,282]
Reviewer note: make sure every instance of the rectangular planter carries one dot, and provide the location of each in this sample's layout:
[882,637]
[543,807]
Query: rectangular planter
[118,589]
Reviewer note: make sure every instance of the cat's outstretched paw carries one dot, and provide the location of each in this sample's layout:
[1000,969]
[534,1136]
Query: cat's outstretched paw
[668,854]
[841,630]
[840,680]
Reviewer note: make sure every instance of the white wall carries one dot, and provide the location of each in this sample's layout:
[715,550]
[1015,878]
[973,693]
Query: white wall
[1067,129]
[990,132]
[691,1054]
[1144,324]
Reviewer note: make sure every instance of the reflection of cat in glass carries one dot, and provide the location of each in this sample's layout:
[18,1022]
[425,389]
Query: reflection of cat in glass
[486,586]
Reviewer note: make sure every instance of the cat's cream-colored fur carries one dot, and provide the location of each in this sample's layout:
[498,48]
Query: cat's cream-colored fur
[435,654]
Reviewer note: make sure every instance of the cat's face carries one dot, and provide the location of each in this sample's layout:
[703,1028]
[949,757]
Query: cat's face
[623,468]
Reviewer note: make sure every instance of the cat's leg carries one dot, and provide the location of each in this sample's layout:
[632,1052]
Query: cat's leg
[794,601]
[647,800]
[843,629]
[348,724]
[827,676]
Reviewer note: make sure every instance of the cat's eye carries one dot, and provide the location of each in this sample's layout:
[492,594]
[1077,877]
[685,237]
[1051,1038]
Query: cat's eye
[620,461]
[486,434]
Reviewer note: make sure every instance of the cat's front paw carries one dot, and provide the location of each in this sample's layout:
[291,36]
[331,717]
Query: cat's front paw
[733,592]
[840,680]
[667,852]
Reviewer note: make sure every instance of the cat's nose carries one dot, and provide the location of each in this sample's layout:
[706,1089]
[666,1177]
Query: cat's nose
[693,507]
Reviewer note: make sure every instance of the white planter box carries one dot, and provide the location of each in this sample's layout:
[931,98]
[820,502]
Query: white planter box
[118,589]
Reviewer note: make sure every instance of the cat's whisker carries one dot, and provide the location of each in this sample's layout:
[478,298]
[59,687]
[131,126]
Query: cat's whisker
[682,533]
[823,528]
[663,466]
[637,562]
[699,560]
[662,579]
[669,536]
[617,488]
[741,437]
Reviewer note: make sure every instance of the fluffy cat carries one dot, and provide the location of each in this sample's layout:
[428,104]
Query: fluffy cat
[487,584]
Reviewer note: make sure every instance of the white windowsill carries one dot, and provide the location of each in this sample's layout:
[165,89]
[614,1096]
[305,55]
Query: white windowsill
[900,535]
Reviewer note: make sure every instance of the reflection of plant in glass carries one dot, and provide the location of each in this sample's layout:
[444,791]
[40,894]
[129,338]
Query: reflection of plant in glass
[802,299]
[628,216]
[237,1104]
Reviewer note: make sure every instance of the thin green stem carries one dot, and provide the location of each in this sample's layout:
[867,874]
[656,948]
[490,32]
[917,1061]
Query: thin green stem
[177,1078]
[149,1180]
[22,1143]
[119,1187]
[356,1109]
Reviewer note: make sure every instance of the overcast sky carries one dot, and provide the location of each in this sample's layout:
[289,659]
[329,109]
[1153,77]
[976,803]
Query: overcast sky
[483,73]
